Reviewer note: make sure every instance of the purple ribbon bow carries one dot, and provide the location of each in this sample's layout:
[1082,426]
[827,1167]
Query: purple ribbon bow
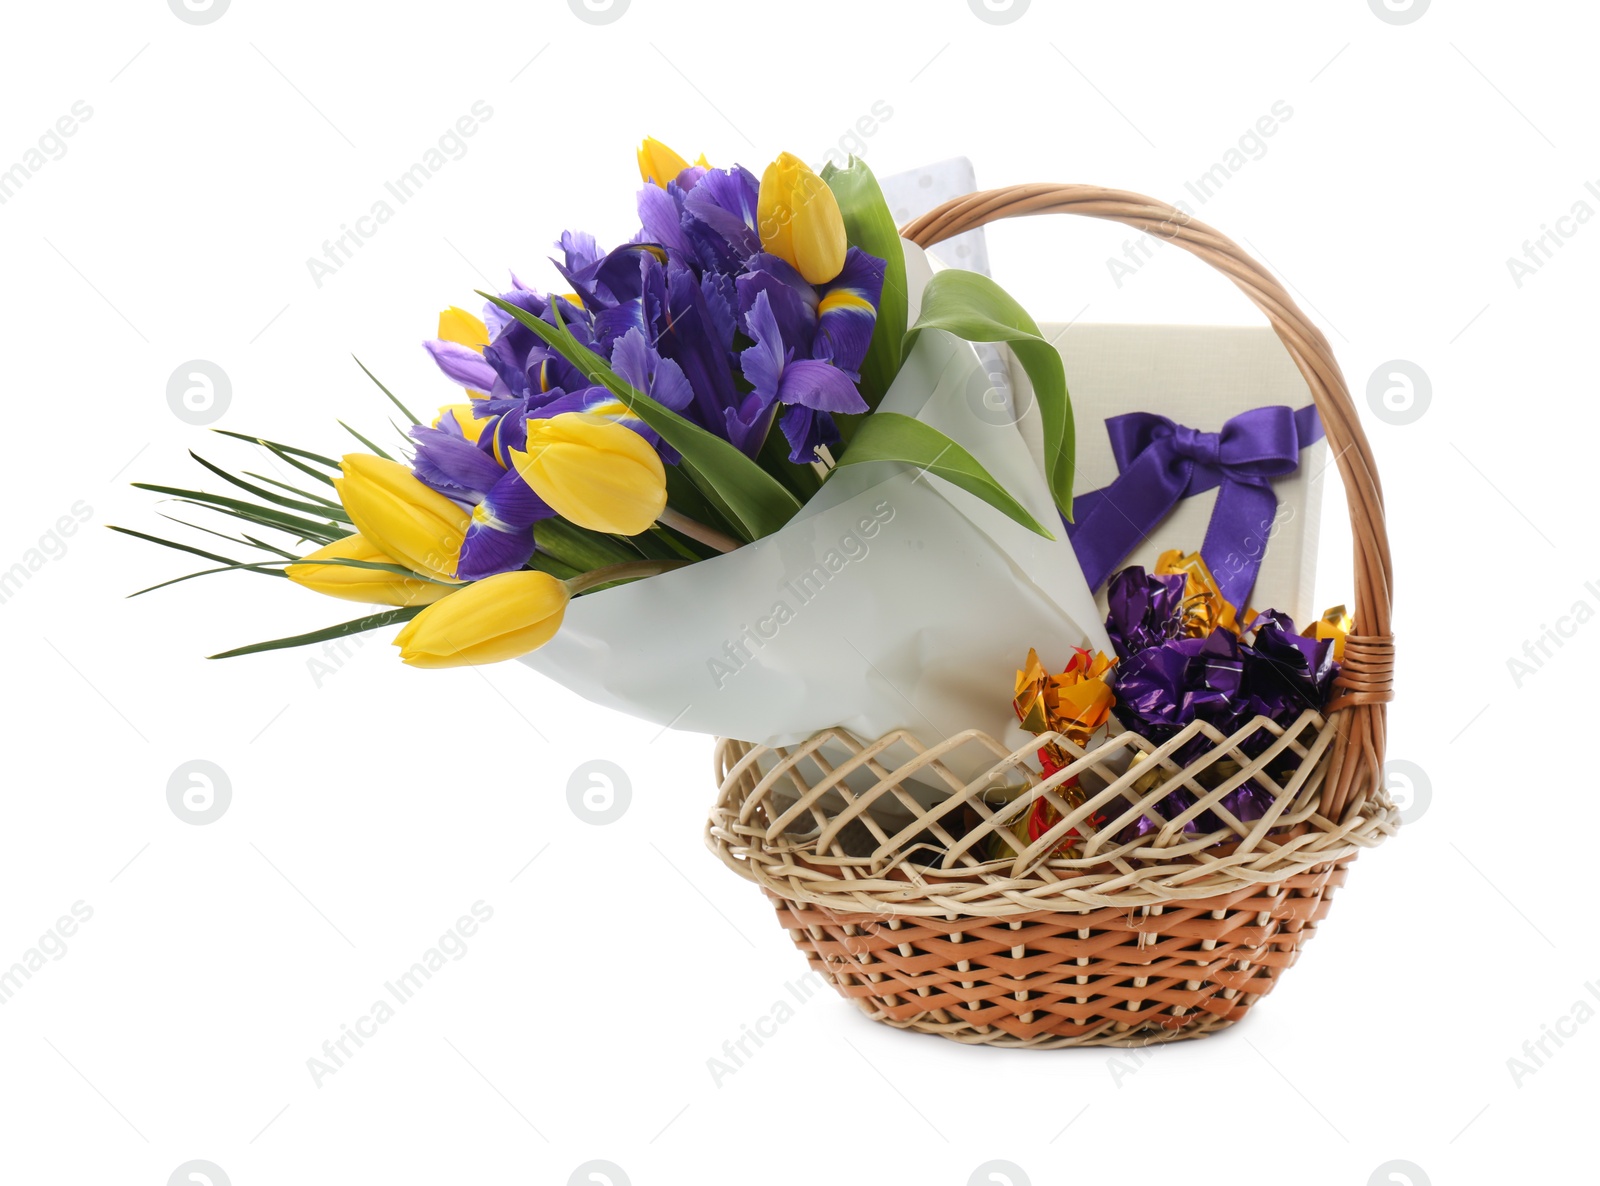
[1160,463]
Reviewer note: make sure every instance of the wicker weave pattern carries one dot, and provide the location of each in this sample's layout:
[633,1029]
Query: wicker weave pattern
[1107,977]
[783,817]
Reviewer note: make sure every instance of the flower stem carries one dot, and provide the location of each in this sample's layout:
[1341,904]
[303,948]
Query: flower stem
[634,570]
[710,536]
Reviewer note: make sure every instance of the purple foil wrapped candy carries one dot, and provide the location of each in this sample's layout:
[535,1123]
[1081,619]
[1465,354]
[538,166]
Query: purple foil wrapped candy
[1163,688]
[1146,610]
[1286,673]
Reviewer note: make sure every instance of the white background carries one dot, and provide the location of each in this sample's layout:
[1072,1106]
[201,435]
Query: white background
[373,806]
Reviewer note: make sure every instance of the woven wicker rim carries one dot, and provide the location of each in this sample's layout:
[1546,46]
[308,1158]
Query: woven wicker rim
[783,813]
[1366,682]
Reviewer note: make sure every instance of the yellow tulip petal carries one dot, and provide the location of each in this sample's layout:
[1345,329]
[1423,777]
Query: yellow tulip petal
[658,163]
[594,472]
[799,219]
[418,526]
[369,585]
[497,618]
[462,328]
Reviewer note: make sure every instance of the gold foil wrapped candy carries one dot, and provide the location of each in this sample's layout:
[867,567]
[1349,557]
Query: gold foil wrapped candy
[1334,624]
[1073,704]
[1204,607]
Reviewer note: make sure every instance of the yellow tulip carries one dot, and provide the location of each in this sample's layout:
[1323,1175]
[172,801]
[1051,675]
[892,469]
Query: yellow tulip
[419,527]
[470,424]
[594,472]
[658,163]
[462,328]
[799,219]
[499,617]
[361,584]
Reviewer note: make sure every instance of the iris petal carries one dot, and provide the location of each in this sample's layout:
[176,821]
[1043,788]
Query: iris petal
[662,219]
[462,364]
[453,465]
[848,311]
[763,362]
[659,378]
[812,383]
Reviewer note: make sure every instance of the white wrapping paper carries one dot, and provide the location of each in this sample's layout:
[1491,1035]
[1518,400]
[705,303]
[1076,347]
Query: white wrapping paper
[892,600]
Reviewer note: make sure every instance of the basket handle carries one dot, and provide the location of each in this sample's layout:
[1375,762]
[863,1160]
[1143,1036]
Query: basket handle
[1366,682]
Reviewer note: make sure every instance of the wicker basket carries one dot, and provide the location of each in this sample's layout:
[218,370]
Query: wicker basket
[906,887]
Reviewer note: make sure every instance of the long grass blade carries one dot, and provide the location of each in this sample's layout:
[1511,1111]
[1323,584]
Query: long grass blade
[364,441]
[357,626]
[392,397]
[330,509]
[265,516]
[174,544]
[205,572]
[274,445]
[316,498]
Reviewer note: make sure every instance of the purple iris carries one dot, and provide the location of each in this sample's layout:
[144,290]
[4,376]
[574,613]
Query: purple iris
[692,313]
[499,537]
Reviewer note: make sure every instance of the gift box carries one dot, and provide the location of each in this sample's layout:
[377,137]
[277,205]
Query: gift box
[1199,376]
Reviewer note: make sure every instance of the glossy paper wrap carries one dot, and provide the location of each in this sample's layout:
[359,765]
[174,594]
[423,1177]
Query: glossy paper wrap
[892,600]
[1171,674]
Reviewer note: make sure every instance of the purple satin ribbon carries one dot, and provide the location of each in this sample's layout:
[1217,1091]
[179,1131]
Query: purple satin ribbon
[1161,463]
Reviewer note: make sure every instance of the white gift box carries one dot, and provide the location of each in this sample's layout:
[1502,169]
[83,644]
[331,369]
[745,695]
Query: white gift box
[1198,376]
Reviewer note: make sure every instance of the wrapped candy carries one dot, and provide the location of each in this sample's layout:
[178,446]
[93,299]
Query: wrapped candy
[1146,610]
[1288,672]
[1334,624]
[1204,607]
[1188,656]
[1185,655]
[1073,704]
[1164,688]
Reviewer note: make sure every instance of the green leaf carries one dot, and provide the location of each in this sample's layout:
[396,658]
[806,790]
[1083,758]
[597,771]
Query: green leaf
[278,451]
[364,441]
[556,568]
[205,572]
[317,498]
[373,622]
[889,436]
[321,507]
[282,449]
[583,550]
[248,540]
[976,309]
[167,543]
[870,226]
[265,516]
[773,455]
[392,398]
[755,502]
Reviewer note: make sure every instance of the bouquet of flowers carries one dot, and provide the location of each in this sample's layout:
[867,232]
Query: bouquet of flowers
[702,429]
